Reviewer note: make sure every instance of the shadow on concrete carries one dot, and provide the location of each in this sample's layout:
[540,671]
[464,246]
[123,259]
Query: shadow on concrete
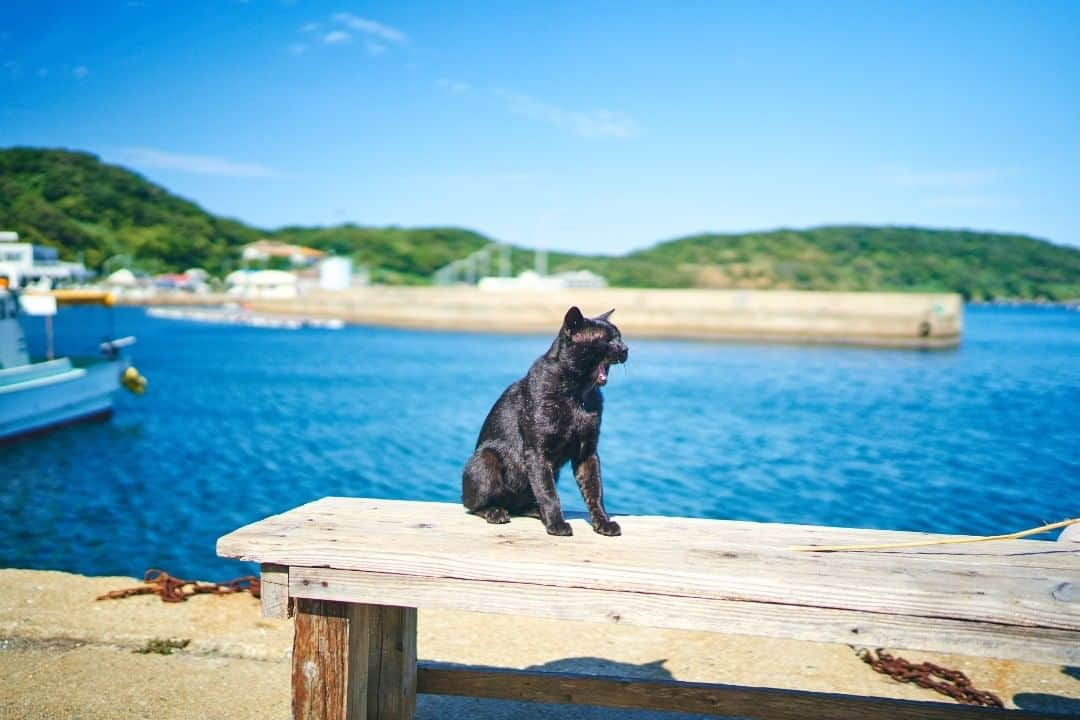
[1045,702]
[431,707]
[654,670]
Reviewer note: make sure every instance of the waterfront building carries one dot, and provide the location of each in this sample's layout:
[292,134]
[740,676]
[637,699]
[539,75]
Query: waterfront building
[531,280]
[263,251]
[25,263]
[263,284]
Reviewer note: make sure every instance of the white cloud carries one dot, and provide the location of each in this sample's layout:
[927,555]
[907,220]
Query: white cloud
[336,37]
[198,164]
[80,72]
[373,48]
[966,201]
[309,27]
[969,189]
[588,124]
[939,179]
[370,27]
[298,48]
[454,86]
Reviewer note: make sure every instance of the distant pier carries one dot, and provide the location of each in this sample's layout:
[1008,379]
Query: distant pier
[900,320]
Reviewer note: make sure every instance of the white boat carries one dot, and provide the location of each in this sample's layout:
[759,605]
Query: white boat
[235,315]
[36,396]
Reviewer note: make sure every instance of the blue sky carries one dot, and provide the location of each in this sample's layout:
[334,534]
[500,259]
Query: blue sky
[601,126]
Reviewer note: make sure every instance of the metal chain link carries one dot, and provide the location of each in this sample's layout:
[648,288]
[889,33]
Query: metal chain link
[174,590]
[955,684]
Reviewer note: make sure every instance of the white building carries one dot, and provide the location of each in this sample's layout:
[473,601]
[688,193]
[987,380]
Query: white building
[262,284]
[576,279]
[262,251]
[24,263]
[122,278]
[530,280]
[335,273]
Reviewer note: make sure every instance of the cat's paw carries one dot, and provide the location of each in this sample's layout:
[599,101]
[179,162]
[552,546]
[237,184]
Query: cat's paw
[560,527]
[607,526]
[496,515]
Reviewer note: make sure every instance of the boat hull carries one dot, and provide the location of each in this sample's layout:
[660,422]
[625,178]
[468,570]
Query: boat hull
[57,396]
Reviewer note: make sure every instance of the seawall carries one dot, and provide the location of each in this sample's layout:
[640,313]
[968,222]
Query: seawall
[902,320]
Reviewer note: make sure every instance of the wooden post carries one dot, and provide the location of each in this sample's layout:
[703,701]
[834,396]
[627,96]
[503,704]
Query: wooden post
[353,661]
[274,591]
[392,663]
[330,660]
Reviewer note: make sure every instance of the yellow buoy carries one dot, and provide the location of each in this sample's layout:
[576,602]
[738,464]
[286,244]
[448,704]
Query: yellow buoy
[133,381]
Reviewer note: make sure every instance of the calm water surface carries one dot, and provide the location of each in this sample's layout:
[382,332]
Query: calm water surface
[240,423]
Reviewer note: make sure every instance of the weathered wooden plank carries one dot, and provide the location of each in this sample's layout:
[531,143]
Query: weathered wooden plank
[392,663]
[387,518]
[627,607]
[274,591]
[673,556]
[330,661]
[728,700]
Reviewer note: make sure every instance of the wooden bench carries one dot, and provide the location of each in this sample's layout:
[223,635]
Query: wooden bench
[354,571]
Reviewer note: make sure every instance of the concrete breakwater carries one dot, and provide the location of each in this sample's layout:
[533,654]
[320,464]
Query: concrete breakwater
[905,320]
[901,320]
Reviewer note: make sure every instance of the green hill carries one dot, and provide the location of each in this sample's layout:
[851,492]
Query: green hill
[400,256]
[94,211]
[978,265]
[85,208]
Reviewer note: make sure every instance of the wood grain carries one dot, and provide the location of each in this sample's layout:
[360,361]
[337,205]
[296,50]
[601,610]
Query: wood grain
[728,700]
[392,663]
[330,661]
[274,591]
[730,576]
[818,624]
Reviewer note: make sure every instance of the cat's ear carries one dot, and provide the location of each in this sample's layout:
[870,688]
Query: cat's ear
[605,316]
[573,320]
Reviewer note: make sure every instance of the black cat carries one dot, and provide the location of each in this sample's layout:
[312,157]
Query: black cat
[550,416]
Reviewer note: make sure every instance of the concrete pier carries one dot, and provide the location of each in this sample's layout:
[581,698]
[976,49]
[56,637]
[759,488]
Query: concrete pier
[63,655]
[902,320]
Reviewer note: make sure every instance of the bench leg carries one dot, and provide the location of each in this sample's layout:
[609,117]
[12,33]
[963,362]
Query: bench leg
[392,663]
[353,662]
[330,661]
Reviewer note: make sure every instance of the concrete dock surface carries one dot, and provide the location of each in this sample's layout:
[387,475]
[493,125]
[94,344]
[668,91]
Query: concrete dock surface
[900,320]
[65,655]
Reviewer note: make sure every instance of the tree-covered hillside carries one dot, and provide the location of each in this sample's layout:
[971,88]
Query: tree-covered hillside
[94,211]
[977,264]
[74,202]
[401,256]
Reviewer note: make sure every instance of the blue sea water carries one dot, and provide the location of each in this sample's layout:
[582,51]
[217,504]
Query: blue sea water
[240,423]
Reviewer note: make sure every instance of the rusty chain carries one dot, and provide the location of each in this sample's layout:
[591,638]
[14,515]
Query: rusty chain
[174,590]
[952,683]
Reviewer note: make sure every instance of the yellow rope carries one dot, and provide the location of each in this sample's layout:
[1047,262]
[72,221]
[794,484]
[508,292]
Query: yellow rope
[926,543]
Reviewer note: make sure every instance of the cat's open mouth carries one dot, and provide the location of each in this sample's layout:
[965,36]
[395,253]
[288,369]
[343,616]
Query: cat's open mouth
[601,373]
[602,370]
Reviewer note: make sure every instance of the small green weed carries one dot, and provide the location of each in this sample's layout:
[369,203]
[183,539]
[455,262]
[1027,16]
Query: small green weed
[162,647]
